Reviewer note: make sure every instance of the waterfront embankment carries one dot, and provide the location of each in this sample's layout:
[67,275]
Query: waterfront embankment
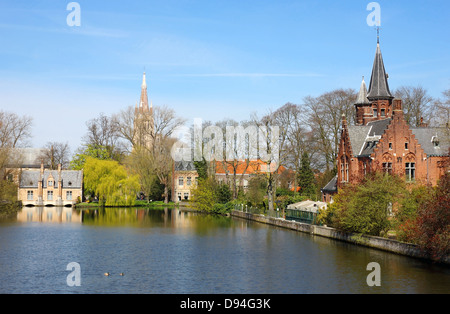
[380,243]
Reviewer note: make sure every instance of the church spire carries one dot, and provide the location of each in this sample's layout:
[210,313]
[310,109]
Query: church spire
[379,87]
[143,103]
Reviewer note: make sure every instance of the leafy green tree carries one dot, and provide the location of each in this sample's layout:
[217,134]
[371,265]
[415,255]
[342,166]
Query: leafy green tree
[204,194]
[97,152]
[256,191]
[223,193]
[365,208]
[8,198]
[433,221]
[306,179]
[108,180]
[202,168]
[407,211]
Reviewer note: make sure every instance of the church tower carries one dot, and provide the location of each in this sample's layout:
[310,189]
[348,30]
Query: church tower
[376,104]
[143,120]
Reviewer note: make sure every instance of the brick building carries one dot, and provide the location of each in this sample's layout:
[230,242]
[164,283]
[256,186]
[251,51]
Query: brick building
[381,140]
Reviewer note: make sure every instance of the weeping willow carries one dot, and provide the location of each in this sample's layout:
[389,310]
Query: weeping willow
[110,182]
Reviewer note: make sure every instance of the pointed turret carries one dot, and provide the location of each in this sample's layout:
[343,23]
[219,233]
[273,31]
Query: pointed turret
[379,88]
[362,95]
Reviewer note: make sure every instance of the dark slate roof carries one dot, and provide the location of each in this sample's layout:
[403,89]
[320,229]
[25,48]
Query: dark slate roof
[184,166]
[379,87]
[331,186]
[70,178]
[364,138]
[427,138]
[29,179]
[378,127]
[357,135]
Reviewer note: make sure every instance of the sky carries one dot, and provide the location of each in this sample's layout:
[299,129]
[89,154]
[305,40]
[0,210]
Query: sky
[206,59]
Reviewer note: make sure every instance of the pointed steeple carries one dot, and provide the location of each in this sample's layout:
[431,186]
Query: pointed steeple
[379,88]
[143,103]
[362,95]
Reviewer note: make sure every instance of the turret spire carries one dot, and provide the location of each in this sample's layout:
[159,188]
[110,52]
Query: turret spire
[379,87]
[362,95]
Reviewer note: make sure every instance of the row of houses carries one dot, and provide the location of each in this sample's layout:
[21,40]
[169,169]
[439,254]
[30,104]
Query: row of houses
[185,175]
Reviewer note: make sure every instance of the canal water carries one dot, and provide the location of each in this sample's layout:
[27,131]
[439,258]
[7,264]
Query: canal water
[172,251]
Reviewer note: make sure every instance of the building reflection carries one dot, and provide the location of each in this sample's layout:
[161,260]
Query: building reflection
[53,214]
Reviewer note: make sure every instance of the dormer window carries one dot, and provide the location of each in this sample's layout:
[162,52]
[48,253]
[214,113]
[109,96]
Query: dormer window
[435,141]
[50,183]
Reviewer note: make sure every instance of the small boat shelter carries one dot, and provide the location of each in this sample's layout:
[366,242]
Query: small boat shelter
[305,211]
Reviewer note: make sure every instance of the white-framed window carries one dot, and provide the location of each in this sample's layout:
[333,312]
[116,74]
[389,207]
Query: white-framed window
[69,195]
[410,171]
[29,195]
[188,180]
[49,195]
[50,183]
[180,180]
[186,196]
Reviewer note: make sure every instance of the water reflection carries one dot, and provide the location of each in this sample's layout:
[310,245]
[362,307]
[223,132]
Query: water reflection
[172,218]
[165,250]
[175,218]
[57,214]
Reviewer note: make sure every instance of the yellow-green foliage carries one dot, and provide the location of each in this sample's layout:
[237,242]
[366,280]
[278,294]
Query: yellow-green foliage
[204,195]
[110,182]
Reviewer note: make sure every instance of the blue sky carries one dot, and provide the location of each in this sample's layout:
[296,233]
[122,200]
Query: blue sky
[209,59]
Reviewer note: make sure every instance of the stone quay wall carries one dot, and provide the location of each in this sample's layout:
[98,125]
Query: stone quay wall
[332,233]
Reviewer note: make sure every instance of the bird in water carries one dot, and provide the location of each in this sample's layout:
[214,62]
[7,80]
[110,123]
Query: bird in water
[121,274]
[106,274]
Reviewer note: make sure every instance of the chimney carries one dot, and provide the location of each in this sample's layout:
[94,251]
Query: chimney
[423,124]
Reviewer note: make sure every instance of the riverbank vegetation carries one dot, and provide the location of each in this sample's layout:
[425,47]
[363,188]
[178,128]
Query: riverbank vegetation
[383,204]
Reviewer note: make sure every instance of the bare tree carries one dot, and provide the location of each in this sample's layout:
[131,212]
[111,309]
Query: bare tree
[156,159]
[237,156]
[417,104]
[103,132]
[124,122]
[55,153]
[271,150]
[324,119]
[15,131]
[292,120]
[441,110]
